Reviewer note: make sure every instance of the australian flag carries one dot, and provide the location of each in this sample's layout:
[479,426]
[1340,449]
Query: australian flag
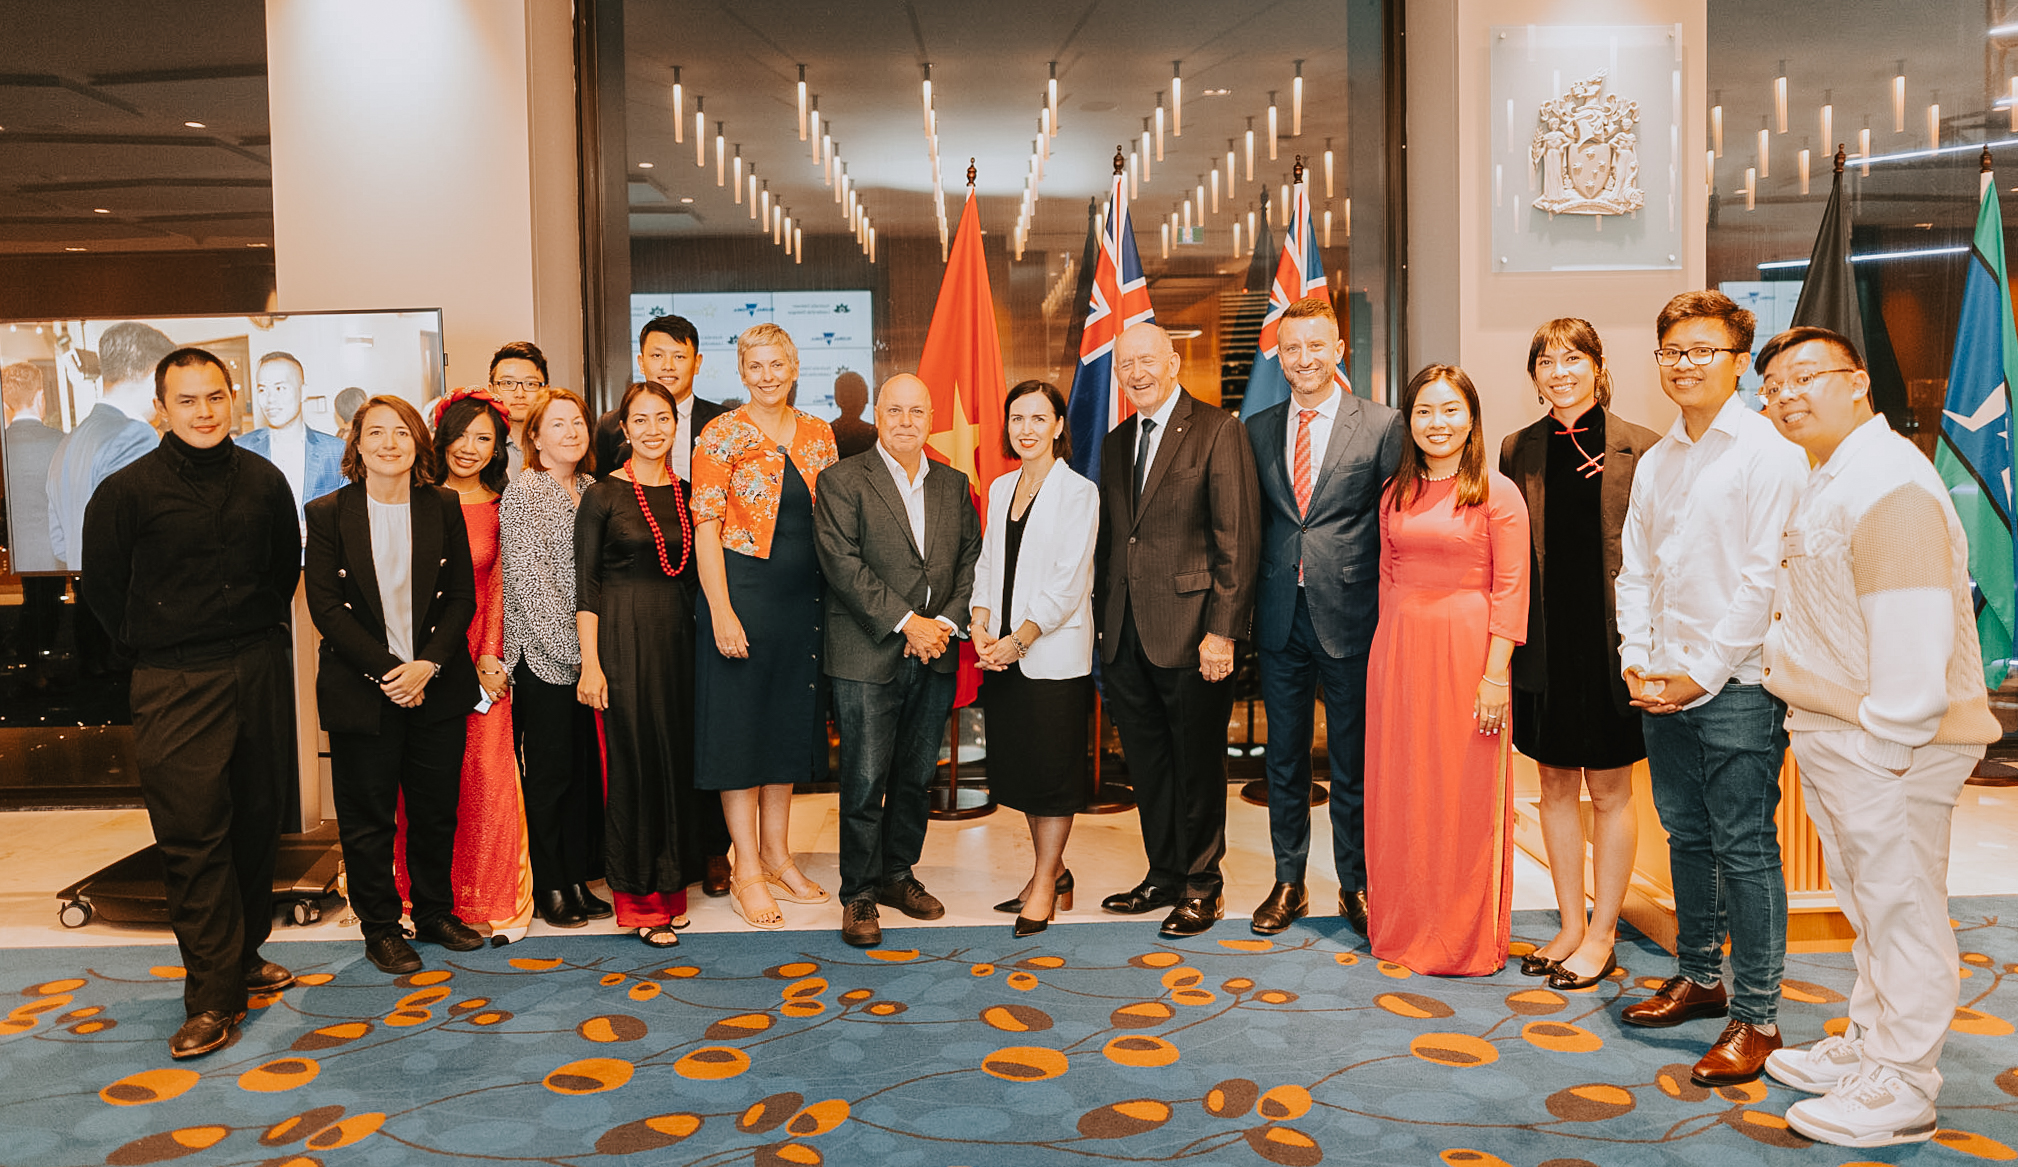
[1300,273]
[1120,298]
[1974,456]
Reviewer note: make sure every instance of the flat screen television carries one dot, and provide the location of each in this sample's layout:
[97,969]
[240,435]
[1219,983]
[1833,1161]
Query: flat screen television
[834,331]
[78,399]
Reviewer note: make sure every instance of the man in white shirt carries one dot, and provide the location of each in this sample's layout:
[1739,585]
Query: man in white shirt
[310,460]
[1694,599]
[1873,647]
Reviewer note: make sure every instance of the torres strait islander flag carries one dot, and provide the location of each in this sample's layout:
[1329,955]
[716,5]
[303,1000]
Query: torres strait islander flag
[1299,273]
[1120,298]
[962,365]
[1974,454]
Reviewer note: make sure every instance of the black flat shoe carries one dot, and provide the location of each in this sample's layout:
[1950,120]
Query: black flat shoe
[554,908]
[1143,897]
[1534,964]
[1063,890]
[582,900]
[204,1033]
[449,932]
[1563,978]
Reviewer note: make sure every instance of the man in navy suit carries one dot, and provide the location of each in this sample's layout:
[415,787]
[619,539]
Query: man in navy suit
[311,460]
[1323,457]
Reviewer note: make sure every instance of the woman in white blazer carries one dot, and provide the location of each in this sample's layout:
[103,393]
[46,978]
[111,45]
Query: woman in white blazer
[1033,628]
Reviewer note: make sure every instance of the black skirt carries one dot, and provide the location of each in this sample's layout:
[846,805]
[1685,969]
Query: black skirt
[760,718]
[1037,741]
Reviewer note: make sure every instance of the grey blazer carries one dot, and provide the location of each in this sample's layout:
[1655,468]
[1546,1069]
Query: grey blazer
[1338,541]
[1523,457]
[874,571]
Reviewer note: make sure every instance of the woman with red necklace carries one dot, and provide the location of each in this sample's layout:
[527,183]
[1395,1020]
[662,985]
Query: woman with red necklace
[634,600]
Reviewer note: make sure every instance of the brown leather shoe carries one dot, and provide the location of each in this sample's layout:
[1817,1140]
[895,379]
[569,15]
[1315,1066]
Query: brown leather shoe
[1738,1056]
[1679,999]
[716,880]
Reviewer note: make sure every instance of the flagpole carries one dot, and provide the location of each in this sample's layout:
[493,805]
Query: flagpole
[1109,797]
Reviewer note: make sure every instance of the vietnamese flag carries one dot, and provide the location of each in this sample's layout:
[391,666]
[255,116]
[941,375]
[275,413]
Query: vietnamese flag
[962,365]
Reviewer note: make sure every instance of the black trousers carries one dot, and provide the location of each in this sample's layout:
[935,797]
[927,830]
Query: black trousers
[370,773]
[1173,730]
[215,746]
[560,774]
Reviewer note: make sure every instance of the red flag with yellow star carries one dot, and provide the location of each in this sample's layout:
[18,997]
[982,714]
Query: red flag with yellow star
[962,363]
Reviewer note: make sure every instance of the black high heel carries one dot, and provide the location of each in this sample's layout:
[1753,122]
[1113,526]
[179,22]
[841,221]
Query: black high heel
[1062,890]
[1025,926]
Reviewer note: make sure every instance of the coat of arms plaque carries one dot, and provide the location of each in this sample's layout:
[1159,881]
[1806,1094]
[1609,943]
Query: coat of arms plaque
[1588,153]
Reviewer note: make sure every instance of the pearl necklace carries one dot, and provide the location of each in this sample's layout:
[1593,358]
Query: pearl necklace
[1439,477]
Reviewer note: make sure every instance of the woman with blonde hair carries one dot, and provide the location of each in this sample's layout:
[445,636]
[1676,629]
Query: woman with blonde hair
[759,642]
[1453,604]
[1572,713]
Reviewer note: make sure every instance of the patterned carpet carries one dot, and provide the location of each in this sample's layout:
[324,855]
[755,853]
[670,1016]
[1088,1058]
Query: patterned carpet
[1089,1044]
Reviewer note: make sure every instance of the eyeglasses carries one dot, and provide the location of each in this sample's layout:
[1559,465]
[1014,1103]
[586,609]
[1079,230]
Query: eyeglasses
[517,384]
[1700,355]
[1793,386]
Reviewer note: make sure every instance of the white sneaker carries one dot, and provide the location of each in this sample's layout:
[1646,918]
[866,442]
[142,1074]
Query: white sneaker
[1866,1110]
[1821,1066]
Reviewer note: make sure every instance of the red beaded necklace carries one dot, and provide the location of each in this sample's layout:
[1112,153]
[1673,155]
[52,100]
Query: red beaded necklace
[651,520]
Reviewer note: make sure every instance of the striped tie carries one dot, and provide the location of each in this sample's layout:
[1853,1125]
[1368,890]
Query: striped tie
[1302,480]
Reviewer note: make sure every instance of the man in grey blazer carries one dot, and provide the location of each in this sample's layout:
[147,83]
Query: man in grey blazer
[898,538]
[1323,456]
[1180,539]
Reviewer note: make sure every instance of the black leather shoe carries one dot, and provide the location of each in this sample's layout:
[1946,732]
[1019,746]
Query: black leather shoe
[911,898]
[582,900]
[391,953]
[264,976]
[554,908]
[1563,978]
[1534,964]
[858,924]
[1286,904]
[1193,915]
[1143,897]
[1352,905]
[204,1033]
[715,881]
[448,932]
[1062,889]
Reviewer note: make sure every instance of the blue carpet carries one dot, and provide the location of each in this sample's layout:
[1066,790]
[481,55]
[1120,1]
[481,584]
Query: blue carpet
[1088,1044]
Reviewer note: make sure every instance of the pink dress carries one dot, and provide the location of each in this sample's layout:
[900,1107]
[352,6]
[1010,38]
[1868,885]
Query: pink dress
[1439,856]
[492,871]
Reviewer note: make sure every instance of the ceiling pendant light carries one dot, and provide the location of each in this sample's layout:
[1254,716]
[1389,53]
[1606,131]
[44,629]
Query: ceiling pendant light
[700,133]
[679,110]
[1271,125]
[802,103]
[1176,99]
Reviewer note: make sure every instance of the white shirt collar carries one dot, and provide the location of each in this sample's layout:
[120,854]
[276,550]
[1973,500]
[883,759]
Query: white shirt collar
[1162,415]
[1853,445]
[904,480]
[1725,422]
[1328,409]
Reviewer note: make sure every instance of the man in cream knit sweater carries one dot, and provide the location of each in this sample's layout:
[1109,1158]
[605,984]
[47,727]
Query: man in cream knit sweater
[1873,648]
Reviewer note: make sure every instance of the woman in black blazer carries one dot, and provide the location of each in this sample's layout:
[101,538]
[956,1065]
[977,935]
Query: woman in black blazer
[1571,711]
[391,589]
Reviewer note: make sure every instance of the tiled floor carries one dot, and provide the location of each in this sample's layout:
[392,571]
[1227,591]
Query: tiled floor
[970,865]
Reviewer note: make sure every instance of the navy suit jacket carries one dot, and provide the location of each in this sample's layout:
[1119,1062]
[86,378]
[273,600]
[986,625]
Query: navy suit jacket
[1338,542]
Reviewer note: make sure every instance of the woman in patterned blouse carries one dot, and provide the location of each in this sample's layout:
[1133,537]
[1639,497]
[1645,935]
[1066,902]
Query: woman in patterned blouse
[757,657]
[556,734]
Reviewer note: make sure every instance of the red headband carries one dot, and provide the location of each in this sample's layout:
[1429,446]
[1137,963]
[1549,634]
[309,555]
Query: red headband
[483,395]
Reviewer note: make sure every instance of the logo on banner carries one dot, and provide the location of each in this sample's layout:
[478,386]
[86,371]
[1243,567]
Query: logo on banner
[1588,153]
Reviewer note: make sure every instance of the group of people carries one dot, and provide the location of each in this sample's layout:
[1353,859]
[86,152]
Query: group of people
[543,664]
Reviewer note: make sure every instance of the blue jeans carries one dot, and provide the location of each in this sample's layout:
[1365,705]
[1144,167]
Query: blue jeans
[890,738]
[1716,781]
[1289,681]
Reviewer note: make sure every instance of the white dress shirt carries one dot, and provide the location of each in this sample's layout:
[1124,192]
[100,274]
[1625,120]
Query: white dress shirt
[1162,419]
[287,449]
[912,491]
[1320,436]
[682,457]
[392,556]
[1700,548]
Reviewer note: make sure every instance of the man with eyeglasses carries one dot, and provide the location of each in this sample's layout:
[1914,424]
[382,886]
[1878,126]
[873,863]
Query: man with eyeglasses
[1873,648]
[1694,598]
[518,372]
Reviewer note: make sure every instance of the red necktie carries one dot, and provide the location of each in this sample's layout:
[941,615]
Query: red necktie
[1302,470]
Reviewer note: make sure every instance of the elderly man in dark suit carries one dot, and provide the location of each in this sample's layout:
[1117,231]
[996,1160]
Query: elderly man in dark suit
[1180,539]
[1323,456]
[898,539]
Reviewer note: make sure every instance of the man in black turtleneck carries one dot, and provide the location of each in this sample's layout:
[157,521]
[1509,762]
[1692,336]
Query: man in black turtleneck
[191,555]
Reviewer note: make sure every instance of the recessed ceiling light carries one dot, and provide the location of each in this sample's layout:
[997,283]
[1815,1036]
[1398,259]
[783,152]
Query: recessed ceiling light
[101,211]
[259,245]
[196,125]
[687,199]
[1217,92]
[644,166]
[73,249]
